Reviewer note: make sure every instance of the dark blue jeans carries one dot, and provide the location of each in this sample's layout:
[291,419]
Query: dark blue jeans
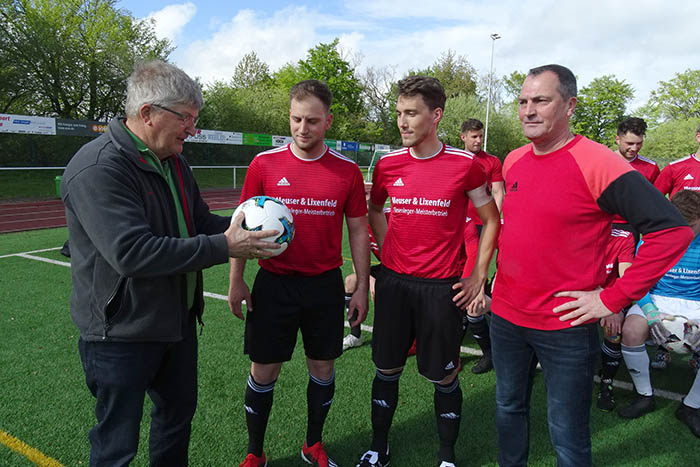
[119,375]
[568,358]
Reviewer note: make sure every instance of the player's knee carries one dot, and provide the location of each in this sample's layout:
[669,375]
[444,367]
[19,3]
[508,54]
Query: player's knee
[449,379]
[389,372]
[265,373]
[635,331]
[321,369]
[350,283]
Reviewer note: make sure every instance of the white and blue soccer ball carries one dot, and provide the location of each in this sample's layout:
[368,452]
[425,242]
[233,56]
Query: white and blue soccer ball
[680,328]
[267,213]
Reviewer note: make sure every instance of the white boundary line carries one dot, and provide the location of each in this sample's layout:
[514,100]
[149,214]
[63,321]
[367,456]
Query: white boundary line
[465,350]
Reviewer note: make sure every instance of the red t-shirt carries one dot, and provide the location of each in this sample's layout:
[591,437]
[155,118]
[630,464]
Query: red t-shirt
[683,174]
[620,249]
[319,193]
[494,173]
[557,216]
[646,167]
[428,207]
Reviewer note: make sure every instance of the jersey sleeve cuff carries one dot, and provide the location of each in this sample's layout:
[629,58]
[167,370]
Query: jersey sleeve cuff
[614,300]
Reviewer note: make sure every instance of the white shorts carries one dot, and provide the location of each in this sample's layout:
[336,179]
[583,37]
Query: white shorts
[671,306]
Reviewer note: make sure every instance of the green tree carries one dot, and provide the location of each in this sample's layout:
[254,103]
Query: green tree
[671,140]
[601,106]
[250,72]
[512,85]
[72,57]
[456,74]
[678,98]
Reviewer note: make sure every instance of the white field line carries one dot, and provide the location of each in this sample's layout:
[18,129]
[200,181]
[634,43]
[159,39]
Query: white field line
[465,350]
[30,252]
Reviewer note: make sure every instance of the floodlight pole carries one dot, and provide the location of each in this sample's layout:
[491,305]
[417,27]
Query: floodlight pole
[494,37]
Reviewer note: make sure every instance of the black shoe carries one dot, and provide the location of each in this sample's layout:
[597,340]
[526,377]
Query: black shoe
[484,365]
[640,406]
[690,417]
[606,400]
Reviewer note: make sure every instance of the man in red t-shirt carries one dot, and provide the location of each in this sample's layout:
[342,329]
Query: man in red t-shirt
[302,288]
[472,134]
[419,291]
[682,174]
[547,295]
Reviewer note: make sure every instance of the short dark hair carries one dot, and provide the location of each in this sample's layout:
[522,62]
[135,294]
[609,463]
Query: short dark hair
[688,203]
[472,124]
[312,87]
[632,125]
[567,80]
[428,87]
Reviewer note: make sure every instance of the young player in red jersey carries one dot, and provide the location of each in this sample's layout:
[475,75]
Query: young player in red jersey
[302,288]
[630,139]
[683,174]
[472,134]
[418,292]
[618,257]
[547,295]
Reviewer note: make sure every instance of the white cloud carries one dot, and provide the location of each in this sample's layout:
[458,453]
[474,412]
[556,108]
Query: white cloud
[277,39]
[170,21]
[641,42]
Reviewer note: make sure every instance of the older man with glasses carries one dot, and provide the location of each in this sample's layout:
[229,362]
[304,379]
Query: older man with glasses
[140,234]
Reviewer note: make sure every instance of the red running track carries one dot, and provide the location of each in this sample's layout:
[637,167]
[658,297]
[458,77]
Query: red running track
[20,216]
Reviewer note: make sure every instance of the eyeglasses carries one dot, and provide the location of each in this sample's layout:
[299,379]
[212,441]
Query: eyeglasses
[184,118]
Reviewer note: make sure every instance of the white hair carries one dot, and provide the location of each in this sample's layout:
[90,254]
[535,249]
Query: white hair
[158,82]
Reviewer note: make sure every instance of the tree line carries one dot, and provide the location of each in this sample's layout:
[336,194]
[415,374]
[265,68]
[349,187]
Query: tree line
[71,58]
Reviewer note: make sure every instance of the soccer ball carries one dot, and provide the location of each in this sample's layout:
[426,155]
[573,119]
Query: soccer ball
[267,213]
[679,327]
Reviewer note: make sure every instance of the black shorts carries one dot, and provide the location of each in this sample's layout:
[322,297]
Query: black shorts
[408,307]
[283,304]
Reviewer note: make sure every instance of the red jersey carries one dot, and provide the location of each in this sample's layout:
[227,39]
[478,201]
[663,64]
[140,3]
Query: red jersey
[494,173]
[683,174]
[646,167]
[554,234]
[318,192]
[428,207]
[620,249]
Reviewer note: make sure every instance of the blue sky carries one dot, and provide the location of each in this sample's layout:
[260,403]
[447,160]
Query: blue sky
[642,41]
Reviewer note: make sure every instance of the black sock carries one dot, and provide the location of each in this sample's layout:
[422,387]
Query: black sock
[385,396]
[610,356]
[480,329]
[356,331]
[258,403]
[319,396]
[448,412]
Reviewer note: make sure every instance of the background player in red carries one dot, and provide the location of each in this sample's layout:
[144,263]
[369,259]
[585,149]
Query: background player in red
[547,294]
[630,139]
[417,293]
[472,134]
[683,174]
[302,288]
[618,257]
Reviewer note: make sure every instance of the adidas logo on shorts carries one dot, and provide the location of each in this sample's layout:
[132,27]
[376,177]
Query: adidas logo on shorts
[450,366]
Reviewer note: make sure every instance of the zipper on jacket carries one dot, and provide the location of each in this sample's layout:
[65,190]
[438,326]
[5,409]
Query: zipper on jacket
[109,301]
